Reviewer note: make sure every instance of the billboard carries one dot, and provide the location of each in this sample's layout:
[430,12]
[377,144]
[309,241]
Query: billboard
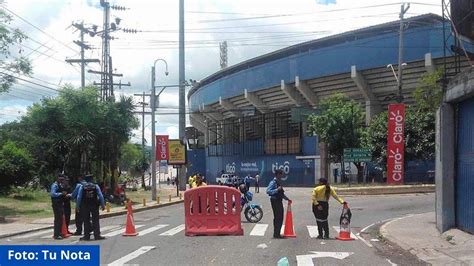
[177,152]
[162,147]
[396,144]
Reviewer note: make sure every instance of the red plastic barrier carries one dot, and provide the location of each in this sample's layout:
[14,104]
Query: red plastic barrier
[212,210]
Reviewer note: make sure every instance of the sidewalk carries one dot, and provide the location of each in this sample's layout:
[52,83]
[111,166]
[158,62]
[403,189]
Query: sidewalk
[418,235]
[14,227]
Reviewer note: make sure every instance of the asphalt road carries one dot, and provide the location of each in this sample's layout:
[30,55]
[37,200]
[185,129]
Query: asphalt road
[162,240]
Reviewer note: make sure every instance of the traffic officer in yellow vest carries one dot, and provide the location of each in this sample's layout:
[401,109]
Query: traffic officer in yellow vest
[320,197]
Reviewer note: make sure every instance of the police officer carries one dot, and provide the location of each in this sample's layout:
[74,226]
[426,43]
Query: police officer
[77,214]
[57,199]
[66,186]
[88,200]
[277,194]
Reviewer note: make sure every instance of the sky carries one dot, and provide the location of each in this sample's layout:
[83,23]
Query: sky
[250,27]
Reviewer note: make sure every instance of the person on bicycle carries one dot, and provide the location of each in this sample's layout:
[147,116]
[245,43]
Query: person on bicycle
[320,197]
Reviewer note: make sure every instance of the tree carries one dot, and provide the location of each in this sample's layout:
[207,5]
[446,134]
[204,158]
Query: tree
[340,126]
[15,165]
[9,64]
[130,154]
[419,124]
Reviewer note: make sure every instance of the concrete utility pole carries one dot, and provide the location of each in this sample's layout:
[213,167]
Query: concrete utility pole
[153,137]
[83,46]
[223,54]
[182,114]
[403,10]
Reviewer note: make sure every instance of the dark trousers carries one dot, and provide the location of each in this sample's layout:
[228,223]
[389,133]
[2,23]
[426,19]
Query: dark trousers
[58,215]
[79,221]
[67,212]
[277,207]
[257,188]
[322,218]
[90,211]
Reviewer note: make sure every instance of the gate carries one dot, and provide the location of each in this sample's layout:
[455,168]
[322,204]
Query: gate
[212,210]
[465,167]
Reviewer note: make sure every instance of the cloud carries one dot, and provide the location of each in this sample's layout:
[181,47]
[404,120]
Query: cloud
[325,2]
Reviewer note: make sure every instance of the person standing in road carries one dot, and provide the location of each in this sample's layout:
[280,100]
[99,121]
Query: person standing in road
[57,198]
[88,200]
[277,194]
[257,185]
[66,186]
[320,197]
[77,214]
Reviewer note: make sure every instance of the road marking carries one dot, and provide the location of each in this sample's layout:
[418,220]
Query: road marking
[337,228]
[173,231]
[131,256]
[120,231]
[152,229]
[282,229]
[259,230]
[313,231]
[391,263]
[307,260]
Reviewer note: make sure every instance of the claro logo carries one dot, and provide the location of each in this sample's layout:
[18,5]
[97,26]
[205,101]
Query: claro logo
[398,164]
[285,167]
[230,168]
[398,133]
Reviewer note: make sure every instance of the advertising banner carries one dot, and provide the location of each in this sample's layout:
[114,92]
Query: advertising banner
[396,144]
[177,152]
[162,147]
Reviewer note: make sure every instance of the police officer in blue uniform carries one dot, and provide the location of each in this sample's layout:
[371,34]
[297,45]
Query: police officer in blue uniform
[88,200]
[277,194]
[78,215]
[57,198]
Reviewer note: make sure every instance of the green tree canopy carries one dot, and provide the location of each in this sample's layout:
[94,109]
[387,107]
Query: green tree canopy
[15,165]
[340,125]
[11,63]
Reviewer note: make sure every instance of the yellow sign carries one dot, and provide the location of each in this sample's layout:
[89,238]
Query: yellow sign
[177,152]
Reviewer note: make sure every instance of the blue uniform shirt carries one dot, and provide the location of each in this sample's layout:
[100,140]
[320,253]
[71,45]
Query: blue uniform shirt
[272,190]
[99,193]
[75,193]
[54,191]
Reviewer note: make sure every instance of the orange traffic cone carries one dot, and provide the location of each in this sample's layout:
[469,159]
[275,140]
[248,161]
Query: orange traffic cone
[289,230]
[130,227]
[64,229]
[345,224]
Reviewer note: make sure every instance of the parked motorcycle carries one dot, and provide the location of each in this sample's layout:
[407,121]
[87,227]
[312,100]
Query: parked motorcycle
[253,212]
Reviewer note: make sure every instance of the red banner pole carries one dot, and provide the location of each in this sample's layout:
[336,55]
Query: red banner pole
[396,144]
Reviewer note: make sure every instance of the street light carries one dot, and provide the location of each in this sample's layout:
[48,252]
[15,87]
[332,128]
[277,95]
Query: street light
[399,83]
[153,140]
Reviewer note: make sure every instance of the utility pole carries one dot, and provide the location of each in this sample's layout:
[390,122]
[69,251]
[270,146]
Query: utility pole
[143,104]
[182,115]
[83,47]
[403,10]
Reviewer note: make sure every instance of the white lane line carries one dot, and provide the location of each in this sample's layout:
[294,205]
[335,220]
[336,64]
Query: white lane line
[120,231]
[337,228]
[282,229]
[259,230]
[152,229]
[313,231]
[132,256]
[173,231]
[391,263]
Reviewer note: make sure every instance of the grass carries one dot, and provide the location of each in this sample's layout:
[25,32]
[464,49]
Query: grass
[26,203]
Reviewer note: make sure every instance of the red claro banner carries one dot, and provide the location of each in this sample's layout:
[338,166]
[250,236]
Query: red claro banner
[162,151]
[396,144]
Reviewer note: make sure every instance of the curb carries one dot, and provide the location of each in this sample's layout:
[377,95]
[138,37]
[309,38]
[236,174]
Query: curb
[101,216]
[404,189]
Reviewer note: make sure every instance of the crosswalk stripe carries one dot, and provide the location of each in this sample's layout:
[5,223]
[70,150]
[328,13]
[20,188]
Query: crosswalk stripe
[132,256]
[313,231]
[173,231]
[337,228]
[152,229]
[102,229]
[282,229]
[120,231]
[259,230]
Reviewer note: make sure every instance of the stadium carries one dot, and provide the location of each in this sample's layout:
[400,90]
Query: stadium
[249,114]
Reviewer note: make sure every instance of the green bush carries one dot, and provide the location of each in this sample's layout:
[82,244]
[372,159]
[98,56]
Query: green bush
[16,165]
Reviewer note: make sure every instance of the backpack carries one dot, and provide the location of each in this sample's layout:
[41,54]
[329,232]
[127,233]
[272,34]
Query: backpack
[89,192]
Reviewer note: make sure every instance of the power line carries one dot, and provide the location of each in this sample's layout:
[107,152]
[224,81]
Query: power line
[37,84]
[34,26]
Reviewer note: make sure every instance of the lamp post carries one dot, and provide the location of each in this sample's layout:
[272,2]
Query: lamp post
[153,138]
[399,80]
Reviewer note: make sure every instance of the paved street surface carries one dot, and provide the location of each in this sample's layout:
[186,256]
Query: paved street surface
[161,239]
